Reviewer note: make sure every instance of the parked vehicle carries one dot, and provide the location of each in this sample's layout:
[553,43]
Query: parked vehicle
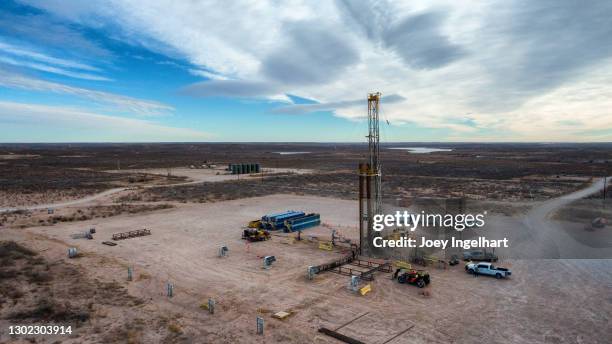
[253,234]
[420,278]
[479,256]
[487,269]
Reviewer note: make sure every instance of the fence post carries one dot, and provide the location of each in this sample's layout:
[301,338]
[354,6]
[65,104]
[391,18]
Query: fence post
[211,306]
[170,289]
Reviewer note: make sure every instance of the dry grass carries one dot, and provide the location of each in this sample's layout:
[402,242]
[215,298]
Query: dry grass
[23,218]
[34,291]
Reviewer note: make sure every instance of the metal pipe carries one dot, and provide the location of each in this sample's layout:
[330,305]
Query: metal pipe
[370,211]
[362,171]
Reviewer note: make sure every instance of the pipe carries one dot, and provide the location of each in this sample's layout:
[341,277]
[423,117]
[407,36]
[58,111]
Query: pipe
[339,336]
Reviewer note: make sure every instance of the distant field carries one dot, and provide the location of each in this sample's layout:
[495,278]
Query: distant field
[39,173]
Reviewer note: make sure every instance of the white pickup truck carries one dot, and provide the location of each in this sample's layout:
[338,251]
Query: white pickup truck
[487,269]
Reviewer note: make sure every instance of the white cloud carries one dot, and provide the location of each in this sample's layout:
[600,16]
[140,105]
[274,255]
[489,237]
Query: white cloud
[73,124]
[207,74]
[51,69]
[123,103]
[35,55]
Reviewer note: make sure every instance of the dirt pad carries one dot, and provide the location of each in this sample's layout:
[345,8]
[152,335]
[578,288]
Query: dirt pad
[545,301]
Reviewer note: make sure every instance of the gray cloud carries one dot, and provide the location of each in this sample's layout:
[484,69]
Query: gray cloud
[371,17]
[541,45]
[331,106]
[232,88]
[312,53]
[417,39]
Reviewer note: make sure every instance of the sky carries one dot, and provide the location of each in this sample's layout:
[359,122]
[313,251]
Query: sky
[300,71]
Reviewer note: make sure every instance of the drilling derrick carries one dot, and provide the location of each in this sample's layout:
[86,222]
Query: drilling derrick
[370,198]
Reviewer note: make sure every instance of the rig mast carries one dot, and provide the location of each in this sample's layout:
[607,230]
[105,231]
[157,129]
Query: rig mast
[370,198]
[374,148]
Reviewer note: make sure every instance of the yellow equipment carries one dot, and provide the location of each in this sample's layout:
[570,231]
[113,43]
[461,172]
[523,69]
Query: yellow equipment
[400,264]
[255,224]
[366,289]
[326,245]
[253,234]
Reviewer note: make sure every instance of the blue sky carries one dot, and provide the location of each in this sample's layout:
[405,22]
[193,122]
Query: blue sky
[125,71]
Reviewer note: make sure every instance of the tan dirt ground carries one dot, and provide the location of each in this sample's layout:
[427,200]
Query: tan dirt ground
[545,301]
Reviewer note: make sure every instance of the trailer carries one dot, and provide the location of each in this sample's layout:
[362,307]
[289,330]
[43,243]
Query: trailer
[303,222]
[277,221]
[282,216]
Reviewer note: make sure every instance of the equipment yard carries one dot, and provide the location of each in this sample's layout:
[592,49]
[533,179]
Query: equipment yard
[566,295]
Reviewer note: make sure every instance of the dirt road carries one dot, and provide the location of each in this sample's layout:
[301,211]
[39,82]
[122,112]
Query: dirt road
[555,243]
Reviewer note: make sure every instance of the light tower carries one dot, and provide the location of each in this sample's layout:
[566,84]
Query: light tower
[370,200]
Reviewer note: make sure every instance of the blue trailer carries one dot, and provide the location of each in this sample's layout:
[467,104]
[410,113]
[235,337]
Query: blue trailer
[272,217]
[277,221]
[302,222]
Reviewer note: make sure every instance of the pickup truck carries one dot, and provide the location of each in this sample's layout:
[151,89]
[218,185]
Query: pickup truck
[487,269]
[479,256]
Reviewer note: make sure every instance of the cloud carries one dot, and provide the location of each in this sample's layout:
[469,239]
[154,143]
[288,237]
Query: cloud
[311,54]
[534,47]
[44,30]
[369,17]
[207,74]
[417,39]
[333,106]
[74,124]
[124,103]
[232,88]
[51,69]
[507,63]
[37,56]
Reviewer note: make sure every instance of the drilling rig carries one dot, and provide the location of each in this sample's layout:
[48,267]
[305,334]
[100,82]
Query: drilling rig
[370,198]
